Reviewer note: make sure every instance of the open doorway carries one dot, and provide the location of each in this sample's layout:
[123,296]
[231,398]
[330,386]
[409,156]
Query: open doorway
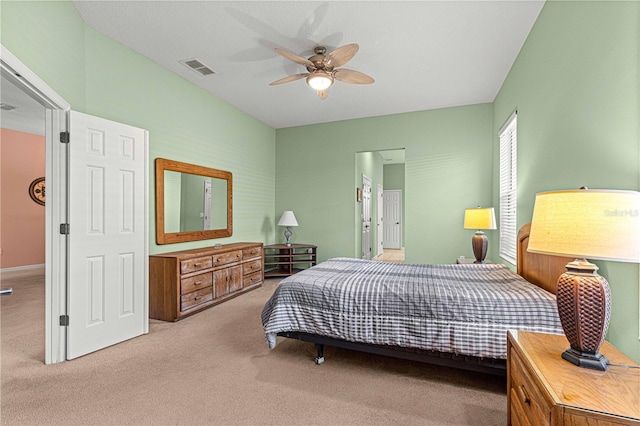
[37,109]
[384,170]
[22,210]
[23,195]
[14,71]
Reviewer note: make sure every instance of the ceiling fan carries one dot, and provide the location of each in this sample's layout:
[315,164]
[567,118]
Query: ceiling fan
[323,68]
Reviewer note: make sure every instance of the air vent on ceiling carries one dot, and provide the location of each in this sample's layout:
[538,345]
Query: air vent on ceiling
[197,66]
[7,107]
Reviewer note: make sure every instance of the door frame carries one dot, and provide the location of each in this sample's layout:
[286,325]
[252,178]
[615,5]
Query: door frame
[379,220]
[56,121]
[366,181]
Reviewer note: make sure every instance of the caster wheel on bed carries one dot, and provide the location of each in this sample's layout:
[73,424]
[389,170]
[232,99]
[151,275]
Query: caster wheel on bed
[319,360]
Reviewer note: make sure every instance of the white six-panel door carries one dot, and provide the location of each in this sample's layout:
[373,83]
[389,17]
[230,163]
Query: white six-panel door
[366,217]
[380,221]
[108,255]
[392,219]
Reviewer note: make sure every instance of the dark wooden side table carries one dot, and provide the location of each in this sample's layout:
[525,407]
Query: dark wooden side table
[281,260]
[469,261]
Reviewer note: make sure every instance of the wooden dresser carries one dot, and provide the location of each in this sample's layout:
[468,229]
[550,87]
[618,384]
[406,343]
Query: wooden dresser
[544,389]
[184,282]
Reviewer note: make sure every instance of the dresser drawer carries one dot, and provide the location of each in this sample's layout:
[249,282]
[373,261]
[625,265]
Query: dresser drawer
[182,283]
[195,298]
[248,253]
[196,264]
[528,405]
[252,266]
[196,282]
[252,279]
[224,258]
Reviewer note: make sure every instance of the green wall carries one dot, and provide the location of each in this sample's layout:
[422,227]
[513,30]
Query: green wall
[99,76]
[576,87]
[192,202]
[172,201]
[59,60]
[447,162]
[394,176]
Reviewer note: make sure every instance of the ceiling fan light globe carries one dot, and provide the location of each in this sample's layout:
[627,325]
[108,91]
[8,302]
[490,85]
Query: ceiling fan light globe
[319,81]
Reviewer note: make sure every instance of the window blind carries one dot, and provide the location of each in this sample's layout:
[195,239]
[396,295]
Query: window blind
[508,189]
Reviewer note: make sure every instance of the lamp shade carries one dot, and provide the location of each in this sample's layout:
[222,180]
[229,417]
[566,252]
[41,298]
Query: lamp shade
[587,224]
[480,218]
[288,219]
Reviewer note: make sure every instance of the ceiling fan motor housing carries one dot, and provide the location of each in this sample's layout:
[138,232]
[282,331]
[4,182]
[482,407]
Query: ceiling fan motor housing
[318,60]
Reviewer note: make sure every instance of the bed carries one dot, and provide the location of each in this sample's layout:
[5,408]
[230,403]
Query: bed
[453,315]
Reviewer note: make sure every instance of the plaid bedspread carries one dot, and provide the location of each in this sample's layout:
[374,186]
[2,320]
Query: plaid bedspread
[463,309]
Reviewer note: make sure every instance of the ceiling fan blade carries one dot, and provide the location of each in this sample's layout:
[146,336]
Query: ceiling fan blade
[351,76]
[295,58]
[341,55]
[289,78]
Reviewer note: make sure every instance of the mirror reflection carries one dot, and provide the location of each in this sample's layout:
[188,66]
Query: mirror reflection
[192,202]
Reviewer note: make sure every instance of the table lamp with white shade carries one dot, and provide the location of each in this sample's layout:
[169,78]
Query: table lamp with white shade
[594,224]
[288,219]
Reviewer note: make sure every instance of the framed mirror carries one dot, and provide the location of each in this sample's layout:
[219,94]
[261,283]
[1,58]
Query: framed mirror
[192,202]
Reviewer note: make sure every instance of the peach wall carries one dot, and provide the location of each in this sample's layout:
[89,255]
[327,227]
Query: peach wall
[22,221]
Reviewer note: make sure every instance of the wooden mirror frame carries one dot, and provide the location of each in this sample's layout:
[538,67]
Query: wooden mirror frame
[162,237]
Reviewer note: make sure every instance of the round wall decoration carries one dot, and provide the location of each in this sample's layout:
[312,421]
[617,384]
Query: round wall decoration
[36,190]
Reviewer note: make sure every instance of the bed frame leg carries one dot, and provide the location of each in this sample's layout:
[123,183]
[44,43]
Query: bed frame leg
[320,358]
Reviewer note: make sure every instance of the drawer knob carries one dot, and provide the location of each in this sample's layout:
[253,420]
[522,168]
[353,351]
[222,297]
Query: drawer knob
[197,264]
[524,396]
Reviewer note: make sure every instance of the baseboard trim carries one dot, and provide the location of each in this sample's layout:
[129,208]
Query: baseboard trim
[22,268]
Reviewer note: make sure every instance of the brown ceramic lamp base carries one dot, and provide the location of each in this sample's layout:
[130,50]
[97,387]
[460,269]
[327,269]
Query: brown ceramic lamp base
[584,308]
[480,243]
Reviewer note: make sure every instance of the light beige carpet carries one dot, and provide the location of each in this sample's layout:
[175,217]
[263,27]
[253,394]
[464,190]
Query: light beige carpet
[215,368]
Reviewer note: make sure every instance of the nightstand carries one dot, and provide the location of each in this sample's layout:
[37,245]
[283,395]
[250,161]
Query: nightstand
[281,260]
[544,389]
[469,261]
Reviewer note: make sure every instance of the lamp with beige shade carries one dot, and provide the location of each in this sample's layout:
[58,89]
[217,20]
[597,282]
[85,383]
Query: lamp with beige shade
[594,224]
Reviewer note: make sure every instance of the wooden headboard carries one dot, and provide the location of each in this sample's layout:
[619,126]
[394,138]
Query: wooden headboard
[540,269]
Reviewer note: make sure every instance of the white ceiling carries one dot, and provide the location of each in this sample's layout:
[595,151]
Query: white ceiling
[394,156]
[422,54]
[19,111]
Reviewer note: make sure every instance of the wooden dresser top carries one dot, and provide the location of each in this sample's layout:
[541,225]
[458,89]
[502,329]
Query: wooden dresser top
[615,391]
[207,251]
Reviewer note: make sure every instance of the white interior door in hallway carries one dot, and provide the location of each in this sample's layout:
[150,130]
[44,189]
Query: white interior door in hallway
[108,254]
[366,217]
[392,219]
